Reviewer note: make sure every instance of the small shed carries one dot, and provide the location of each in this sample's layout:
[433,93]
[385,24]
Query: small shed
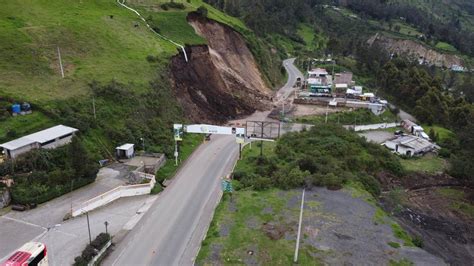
[126,151]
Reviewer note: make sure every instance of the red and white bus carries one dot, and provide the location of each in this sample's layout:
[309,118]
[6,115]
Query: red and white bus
[30,254]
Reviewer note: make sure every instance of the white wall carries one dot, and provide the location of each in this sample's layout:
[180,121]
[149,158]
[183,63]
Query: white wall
[58,143]
[114,194]
[19,151]
[371,127]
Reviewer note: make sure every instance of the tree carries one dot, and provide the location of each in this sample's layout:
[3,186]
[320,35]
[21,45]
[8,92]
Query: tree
[78,156]
[202,10]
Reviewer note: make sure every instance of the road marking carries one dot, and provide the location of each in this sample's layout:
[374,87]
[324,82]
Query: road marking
[23,222]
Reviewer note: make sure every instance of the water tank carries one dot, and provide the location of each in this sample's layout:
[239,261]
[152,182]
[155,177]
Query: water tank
[26,107]
[16,108]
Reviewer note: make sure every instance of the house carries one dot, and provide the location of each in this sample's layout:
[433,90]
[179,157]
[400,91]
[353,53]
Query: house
[319,81]
[410,145]
[125,151]
[48,139]
[343,78]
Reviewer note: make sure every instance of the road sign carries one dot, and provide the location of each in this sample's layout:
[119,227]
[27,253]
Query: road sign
[226,185]
[178,132]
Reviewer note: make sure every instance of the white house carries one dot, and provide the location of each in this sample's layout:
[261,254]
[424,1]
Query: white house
[48,139]
[410,145]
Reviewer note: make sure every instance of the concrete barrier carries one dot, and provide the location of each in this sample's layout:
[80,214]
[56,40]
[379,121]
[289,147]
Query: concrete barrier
[114,194]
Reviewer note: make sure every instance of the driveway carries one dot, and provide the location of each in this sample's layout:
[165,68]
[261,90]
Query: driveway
[66,240]
[377,136]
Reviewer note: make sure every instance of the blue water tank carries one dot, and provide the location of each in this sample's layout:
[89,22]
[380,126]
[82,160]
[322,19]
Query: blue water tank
[16,108]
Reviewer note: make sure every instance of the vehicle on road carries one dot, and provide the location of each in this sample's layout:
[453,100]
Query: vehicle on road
[31,254]
[208,137]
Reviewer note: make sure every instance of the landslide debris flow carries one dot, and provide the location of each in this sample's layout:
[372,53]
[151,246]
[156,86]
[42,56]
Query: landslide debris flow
[221,81]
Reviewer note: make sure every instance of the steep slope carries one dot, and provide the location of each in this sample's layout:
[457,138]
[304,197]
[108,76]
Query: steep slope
[415,51]
[221,81]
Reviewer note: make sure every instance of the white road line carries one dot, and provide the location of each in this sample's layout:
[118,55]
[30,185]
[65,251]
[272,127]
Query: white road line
[23,222]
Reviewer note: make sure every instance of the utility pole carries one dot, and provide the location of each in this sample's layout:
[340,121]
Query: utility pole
[89,228]
[143,144]
[327,110]
[176,152]
[299,229]
[60,63]
[93,107]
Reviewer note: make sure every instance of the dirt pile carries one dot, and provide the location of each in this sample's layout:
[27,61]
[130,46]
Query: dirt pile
[415,51]
[221,81]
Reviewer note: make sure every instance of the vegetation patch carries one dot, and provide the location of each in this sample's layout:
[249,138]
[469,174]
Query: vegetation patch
[356,117]
[446,46]
[429,163]
[91,249]
[394,244]
[187,146]
[399,233]
[262,244]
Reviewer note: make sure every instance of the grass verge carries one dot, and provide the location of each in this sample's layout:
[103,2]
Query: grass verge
[187,146]
[430,164]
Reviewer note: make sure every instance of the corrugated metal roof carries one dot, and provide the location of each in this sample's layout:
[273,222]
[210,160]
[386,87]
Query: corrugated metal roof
[126,146]
[39,137]
[413,142]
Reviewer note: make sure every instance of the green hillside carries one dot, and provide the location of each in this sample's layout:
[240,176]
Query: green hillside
[102,43]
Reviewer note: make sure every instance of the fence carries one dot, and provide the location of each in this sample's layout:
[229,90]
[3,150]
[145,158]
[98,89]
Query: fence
[114,194]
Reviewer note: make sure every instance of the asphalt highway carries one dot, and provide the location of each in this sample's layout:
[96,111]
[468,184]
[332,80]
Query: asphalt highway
[172,230]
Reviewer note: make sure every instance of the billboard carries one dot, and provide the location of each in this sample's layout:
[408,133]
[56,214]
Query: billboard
[211,129]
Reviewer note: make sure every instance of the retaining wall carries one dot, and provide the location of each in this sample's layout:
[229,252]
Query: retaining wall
[114,194]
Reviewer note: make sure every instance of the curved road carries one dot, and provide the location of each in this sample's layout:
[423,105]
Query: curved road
[293,74]
[172,230]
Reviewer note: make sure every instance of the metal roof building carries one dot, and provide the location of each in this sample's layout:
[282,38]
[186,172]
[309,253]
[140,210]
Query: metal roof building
[410,145]
[49,139]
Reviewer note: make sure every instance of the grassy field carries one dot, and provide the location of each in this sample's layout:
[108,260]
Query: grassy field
[187,146]
[459,200]
[442,133]
[242,238]
[359,117]
[20,125]
[97,39]
[429,164]
[446,46]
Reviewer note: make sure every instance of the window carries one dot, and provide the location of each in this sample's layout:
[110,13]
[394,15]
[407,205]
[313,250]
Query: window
[65,136]
[37,260]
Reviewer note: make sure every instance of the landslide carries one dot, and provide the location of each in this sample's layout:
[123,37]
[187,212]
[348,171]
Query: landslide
[221,81]
[424,212]
[415,51]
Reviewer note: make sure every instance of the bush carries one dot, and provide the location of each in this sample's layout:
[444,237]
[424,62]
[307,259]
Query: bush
[418,241]
[167,6]
[156,189]
[202,11]
[91,249]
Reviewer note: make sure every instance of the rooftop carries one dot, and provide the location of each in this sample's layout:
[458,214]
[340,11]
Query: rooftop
[413,142]
[125,147]
[39,137]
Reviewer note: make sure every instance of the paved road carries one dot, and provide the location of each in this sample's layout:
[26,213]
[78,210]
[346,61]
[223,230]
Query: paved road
[293,74]
[171,232]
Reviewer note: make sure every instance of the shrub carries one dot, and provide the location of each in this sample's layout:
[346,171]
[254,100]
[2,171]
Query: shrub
[202,11]
[167,6]
[417,241]
[394,244]
[91,249]
[156,189]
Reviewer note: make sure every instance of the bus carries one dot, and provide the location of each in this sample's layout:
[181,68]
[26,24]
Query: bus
[30,254]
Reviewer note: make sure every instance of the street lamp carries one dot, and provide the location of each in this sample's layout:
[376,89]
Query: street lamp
[143,144]
[106,224]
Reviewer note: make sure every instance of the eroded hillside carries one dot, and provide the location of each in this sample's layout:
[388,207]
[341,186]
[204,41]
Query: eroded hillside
[221,81]
[415,51]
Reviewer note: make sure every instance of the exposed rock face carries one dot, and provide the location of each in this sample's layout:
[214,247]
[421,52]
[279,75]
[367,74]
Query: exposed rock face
[415,51]
[221,81]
